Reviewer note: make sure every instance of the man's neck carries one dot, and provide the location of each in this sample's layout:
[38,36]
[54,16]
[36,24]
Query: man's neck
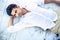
[25,10]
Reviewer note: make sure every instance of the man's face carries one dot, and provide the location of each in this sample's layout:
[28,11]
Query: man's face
[17,11]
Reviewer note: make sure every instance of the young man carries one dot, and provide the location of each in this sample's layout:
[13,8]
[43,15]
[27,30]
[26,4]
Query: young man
[30,18]
[31,22]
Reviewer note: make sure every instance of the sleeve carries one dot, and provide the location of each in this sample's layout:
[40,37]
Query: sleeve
[15,28]
[12,28]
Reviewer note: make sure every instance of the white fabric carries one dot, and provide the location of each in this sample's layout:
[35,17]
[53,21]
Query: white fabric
[30,33]
[32,19]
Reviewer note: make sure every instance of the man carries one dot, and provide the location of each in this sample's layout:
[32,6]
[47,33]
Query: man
[28,28]
[30,18]
[28,37]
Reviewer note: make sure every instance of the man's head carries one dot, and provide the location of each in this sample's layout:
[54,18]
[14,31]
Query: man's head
[14,10]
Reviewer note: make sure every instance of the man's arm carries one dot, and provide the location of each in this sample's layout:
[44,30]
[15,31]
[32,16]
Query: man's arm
[48,1]
[52,1]
[10,23]
[57,2]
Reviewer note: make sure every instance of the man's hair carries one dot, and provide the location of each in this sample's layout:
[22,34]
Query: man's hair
[10,8]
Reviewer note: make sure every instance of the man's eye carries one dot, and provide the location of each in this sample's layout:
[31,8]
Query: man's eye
[15,11]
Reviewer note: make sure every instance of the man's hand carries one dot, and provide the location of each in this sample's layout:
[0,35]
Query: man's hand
[57,2]
[48,1]
[52,1]
[10,23]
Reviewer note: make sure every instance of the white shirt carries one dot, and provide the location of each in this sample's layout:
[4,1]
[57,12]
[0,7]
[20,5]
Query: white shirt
[32,19]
